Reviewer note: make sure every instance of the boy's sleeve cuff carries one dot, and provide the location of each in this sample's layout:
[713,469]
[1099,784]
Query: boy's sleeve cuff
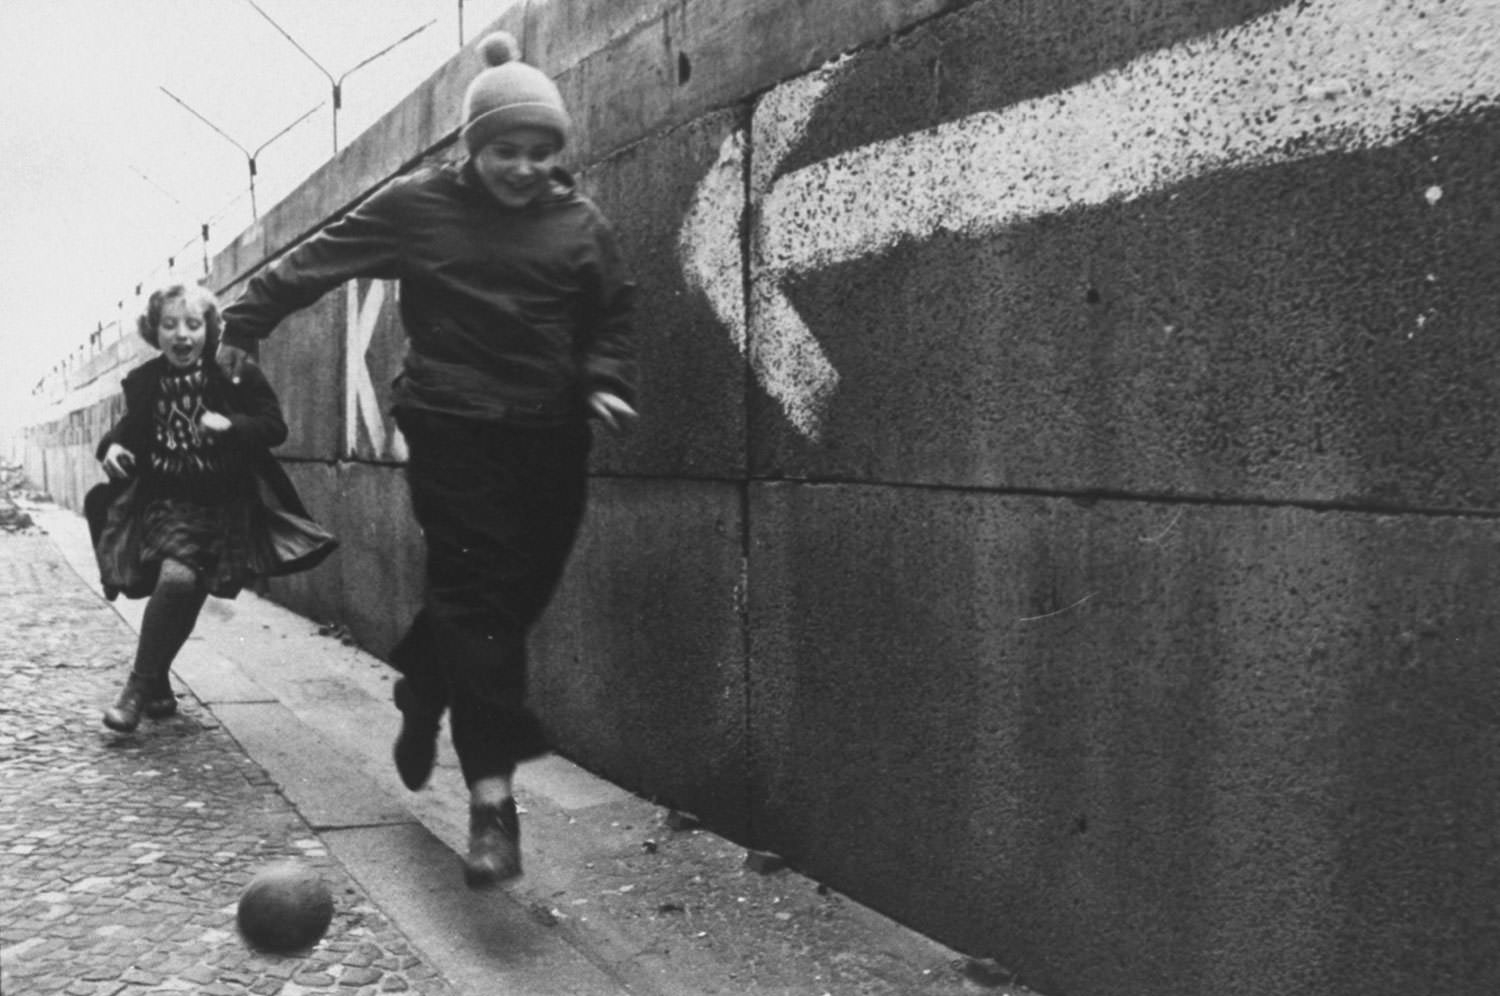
[243,425]
[245,342]
[615,387]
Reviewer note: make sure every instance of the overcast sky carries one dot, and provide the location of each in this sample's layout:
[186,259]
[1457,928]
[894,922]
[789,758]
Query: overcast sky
[105,177]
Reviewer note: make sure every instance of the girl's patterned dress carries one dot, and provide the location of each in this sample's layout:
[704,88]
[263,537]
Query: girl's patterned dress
[198,489]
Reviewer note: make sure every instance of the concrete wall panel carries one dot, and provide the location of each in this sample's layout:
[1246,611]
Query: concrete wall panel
[304,360]
[665,67]
[1306,329]
[381,555]
[559,36]
[58,453]
[1135,747]
[639,663]
[992,55]
[693,375]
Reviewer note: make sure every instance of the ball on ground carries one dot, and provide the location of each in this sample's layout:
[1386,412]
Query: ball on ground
[286,907]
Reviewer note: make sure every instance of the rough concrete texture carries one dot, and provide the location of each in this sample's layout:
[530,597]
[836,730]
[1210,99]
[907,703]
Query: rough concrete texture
[650,691]
[566,34]
[692,391]
[1205,749]
[1307,331]
[304,361]
[381,554]
[669,63]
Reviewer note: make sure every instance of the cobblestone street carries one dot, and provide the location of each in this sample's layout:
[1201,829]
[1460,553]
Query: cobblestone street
[123,856]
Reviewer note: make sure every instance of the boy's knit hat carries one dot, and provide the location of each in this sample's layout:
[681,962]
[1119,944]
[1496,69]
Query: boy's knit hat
[510,94]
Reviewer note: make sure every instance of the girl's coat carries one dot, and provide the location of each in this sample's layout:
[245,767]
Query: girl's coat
[286,540]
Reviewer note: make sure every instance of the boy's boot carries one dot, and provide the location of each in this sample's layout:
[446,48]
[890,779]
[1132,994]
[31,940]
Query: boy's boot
[161,701]
[494,845]
[125,715]
[416,744]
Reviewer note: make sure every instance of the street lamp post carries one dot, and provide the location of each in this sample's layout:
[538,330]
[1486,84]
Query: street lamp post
[337,83]
[250,157]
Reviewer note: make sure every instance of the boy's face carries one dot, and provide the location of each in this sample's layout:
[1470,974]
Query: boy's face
[515,167]
[182,332]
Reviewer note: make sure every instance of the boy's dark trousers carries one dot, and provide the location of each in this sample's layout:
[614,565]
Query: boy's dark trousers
[499,506]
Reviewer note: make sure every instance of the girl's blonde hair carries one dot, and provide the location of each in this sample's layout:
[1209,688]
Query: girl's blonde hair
[193,293]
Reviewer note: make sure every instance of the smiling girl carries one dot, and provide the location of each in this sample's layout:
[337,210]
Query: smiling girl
[185,516]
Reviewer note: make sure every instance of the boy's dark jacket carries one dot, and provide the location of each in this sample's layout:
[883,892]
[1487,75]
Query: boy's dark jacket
[503,308]
[251,407]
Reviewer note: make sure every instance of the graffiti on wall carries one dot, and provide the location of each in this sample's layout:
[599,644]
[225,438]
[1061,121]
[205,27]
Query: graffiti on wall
[1317,78]
[371,357]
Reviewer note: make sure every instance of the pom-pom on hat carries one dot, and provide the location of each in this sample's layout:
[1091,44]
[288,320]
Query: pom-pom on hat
[510,94]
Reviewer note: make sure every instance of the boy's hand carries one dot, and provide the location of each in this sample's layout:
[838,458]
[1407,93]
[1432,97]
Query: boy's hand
[612,410]
[214,423]
[118,462]
[231,360]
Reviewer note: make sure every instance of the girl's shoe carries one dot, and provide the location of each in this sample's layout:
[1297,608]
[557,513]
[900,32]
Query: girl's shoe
[494,845]
[125,715]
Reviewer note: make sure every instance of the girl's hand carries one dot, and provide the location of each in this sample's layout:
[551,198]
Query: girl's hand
[213,422]
[118,462]
[612,410]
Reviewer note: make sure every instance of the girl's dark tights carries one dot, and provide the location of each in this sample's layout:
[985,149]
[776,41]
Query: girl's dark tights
[171,613]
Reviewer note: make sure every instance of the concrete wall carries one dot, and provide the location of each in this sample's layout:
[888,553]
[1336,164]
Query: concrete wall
[1065,516]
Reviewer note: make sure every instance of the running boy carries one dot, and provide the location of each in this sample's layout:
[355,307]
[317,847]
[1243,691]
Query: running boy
[517,314]
[186,516]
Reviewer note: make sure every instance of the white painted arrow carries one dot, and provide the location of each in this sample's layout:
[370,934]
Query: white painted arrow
[792,369]
[1325,76]
[708,244]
